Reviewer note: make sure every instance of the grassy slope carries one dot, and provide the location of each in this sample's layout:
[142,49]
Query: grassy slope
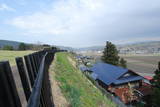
[11,55]
[76,87]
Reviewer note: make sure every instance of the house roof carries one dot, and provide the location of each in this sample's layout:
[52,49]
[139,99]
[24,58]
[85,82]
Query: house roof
[109,74]
[148,77]
[127,79]
[94,76]
[83,68]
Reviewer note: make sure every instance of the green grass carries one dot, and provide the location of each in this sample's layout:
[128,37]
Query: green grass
[11,55]
[77,89]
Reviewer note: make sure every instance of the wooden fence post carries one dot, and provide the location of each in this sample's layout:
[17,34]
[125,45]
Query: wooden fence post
[8,92]
[33,66]
[23,77]
[29,69]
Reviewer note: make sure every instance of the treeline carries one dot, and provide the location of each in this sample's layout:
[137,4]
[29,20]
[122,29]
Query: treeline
[24,46]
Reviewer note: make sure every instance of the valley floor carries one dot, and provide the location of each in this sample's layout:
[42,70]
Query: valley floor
[142,64]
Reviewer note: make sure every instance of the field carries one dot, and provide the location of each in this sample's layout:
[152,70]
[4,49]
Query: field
[11,55]
[143,64]
[77,89]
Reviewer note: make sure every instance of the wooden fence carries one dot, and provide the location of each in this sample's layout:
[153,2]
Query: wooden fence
[34,79]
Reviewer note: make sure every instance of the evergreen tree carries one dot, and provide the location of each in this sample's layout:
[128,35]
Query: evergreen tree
[156,88]
[123,63]
[110,54]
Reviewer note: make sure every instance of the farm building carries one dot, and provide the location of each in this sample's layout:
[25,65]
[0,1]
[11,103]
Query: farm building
[117,80]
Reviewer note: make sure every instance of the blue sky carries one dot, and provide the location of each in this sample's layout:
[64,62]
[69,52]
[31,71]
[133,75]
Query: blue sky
[80,23]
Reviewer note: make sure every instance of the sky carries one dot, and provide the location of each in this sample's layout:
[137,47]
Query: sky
[80,23]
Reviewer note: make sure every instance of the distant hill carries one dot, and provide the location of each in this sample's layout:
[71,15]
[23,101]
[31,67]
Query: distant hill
[15,44]
[65,48]
[139,47]
[92,48]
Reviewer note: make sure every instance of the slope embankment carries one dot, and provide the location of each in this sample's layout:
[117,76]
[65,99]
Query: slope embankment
[72,88]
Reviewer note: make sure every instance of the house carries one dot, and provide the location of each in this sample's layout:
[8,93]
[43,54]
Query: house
[117,80]
[114,76]
[83,68]
[145,91]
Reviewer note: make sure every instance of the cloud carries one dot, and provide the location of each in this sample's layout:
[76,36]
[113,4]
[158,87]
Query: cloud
[62,17]
[4,7]
[93,21]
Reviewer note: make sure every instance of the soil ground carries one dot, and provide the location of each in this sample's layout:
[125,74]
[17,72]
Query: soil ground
[59,99]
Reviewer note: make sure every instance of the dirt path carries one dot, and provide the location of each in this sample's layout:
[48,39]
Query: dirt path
[59,99]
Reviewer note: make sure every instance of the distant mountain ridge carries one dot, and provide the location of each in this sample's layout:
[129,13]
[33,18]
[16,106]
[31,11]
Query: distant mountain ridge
[141,47]
[138,47]
[15,44]
[92,48]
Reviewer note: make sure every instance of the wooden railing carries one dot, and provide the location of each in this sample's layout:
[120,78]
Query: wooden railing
[34,78]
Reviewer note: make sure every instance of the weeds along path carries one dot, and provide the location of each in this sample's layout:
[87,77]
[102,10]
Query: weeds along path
[76,88]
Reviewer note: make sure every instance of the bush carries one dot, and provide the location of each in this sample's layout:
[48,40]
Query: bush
[8,47]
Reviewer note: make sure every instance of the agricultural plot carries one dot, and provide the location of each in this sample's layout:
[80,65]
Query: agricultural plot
[143,64]
[11,55]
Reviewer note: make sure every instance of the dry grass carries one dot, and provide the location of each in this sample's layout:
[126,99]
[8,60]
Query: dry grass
[11,55]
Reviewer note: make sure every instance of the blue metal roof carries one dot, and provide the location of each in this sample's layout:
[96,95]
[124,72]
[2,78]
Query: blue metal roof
[94,76]
[79,56]
[128,79]
[83,68]
[108,73]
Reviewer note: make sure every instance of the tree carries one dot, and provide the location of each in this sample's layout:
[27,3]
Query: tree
[22,46]
[110,54]
[123,63]
[8,47]
[156,87]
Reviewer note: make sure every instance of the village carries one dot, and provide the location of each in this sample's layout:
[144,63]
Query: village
[80,53]
[128,87]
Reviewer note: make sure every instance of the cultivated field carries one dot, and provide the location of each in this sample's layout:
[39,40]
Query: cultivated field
[11,55]
[143,64]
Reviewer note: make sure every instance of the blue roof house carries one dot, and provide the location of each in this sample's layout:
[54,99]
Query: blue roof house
[110,75]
